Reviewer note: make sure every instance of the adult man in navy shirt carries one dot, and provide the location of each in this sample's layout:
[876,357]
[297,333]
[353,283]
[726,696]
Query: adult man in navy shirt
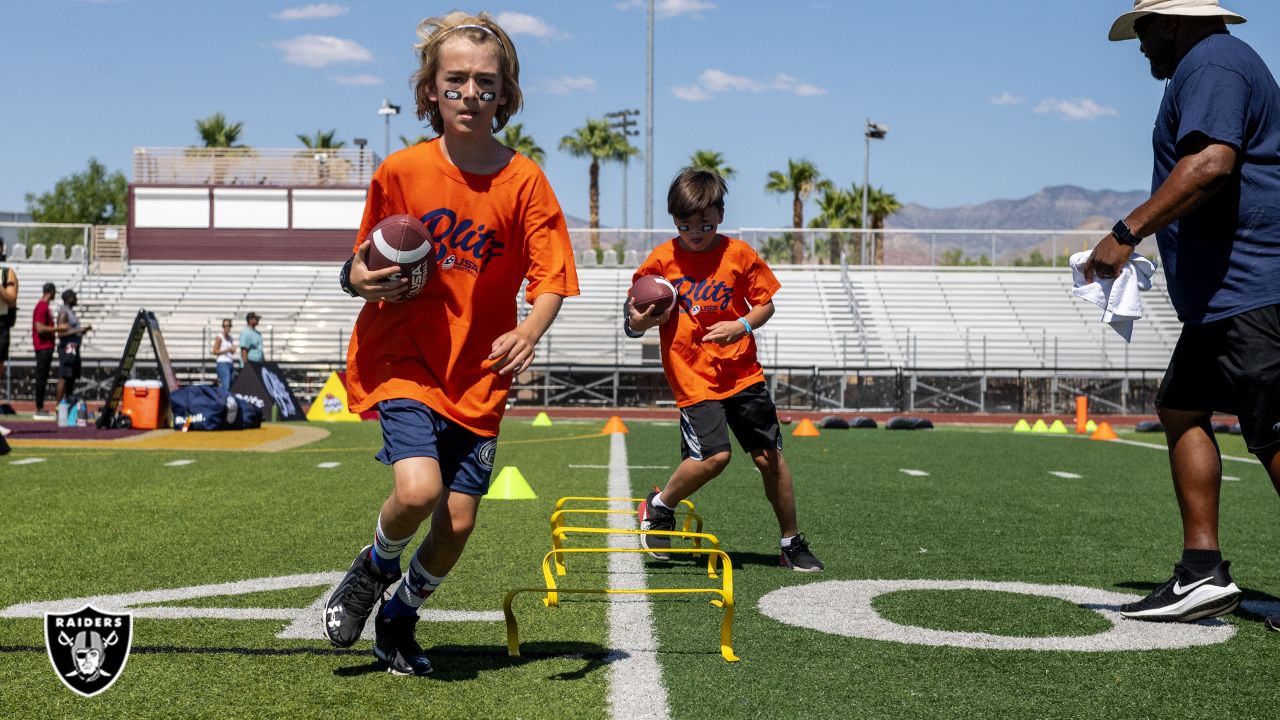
[1215,209]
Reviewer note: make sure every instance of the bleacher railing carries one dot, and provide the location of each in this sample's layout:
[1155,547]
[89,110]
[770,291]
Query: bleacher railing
[286,167]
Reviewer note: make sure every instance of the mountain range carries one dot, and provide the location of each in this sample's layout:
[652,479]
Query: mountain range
[1062,207]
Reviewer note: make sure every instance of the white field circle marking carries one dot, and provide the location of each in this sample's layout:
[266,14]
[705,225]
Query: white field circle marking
[913,473]
[1066,475]
[843,607]
[179,463]
[26,461]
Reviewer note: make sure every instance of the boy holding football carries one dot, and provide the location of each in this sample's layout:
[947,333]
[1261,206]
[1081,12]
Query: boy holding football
[438,367]
[724,293]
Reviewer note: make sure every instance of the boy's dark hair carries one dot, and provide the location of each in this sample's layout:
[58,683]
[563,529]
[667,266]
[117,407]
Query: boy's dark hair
[693,191]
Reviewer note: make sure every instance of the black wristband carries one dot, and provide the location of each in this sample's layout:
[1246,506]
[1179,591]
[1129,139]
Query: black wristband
[1124,235]
[344,278]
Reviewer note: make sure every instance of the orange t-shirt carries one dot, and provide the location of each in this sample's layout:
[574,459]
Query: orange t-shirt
[492,232]
[713,286]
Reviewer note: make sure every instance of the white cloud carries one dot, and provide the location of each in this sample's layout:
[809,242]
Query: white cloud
[692,93]
[520,24]
[567,84]
[1075,108]
[713,81]
[358,80]
[669,8]
[310,12]
[1006,98]
[321,50]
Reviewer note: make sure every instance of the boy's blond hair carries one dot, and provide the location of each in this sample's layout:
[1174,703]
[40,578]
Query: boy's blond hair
[434,31]
[694,190]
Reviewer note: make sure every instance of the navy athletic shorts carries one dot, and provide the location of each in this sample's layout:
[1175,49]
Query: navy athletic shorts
[411,429]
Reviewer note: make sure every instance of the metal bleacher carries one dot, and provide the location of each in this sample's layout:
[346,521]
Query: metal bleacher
[888,317]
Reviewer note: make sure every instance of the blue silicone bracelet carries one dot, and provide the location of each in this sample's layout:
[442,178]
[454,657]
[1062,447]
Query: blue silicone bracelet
[746,324]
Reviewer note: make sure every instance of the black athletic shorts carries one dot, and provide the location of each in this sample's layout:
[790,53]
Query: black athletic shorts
[69,362]
[4,343]
[751,414]
[1232,366]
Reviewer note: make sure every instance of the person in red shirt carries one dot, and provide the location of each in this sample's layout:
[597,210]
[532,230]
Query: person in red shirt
[724,292]
[43,334]
[438,367]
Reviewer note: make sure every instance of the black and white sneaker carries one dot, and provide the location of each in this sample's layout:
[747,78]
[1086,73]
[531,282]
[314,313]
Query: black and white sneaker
[653,517]
[395,645]
[1272,623]
[1188,596]
[350,604]
[798,557]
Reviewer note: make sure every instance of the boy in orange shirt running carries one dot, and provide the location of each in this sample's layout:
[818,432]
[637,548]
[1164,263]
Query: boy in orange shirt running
[438,367]
[724,292]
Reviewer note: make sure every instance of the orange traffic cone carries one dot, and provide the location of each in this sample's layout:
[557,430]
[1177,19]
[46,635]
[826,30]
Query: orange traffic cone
[1104,432]
[806,428]
[615,425]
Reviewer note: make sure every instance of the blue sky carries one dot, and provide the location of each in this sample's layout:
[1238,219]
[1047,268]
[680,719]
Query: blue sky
[987,99]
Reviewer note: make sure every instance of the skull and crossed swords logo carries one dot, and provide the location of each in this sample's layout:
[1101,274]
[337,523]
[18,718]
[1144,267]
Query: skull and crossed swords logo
[88,648]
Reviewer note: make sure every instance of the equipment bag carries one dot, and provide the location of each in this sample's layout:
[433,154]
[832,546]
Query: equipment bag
[207,407]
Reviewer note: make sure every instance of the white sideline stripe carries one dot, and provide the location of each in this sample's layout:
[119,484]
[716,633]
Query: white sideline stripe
[26,461]
[632,467]
[327,465]
[635,677]
[1231,478]
[1153,446]
[913,473]
[179,463]
[1067,475]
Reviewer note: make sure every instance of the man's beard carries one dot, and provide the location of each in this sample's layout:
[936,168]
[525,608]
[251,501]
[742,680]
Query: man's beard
[1159,71]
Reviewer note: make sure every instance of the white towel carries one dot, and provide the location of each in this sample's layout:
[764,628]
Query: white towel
[1118,297]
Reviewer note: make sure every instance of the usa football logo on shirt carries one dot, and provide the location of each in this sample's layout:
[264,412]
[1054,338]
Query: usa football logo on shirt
[88,648]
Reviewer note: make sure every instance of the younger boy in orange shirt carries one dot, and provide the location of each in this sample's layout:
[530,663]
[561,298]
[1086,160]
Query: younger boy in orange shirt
[724,292]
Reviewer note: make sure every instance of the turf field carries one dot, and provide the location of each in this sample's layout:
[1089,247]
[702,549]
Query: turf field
[105,522]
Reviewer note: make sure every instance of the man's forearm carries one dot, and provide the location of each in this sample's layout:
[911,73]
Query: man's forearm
[1193,181]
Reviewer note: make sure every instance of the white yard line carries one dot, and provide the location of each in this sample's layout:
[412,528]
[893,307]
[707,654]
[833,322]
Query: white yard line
[913,473]
[179,463]
[1154,446]
[328,465]
[1066,475]
[26,461]
[631,467]
[635,677]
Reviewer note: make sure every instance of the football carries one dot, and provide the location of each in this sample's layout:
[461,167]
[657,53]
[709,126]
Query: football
[653,290]
[403,241]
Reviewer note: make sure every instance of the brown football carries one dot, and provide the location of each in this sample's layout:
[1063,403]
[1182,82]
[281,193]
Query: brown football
[653,290]
[403,241]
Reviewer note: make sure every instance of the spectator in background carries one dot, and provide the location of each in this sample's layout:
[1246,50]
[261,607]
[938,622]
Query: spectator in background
[251,341]
[43,336]
[70,334]
[8,312]
[224,349]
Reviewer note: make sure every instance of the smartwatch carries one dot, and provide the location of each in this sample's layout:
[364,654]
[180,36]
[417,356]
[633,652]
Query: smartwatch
[344,278]
[1124,235]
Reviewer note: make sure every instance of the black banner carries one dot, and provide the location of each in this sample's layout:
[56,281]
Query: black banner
[263,384]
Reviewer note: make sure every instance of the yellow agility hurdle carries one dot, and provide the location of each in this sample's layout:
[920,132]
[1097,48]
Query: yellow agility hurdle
[558,536]
[724,594]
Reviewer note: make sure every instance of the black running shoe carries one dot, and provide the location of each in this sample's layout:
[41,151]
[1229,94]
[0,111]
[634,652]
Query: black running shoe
[653,517]
[1188,596]
[798,557]
[352,601]
[1272,623]
[395,645]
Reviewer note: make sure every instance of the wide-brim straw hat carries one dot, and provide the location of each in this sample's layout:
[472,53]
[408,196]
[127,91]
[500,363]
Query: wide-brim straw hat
[1122,28]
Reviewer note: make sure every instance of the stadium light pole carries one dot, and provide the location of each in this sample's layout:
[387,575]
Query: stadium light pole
[875,131]
[622,122]
[648,128]
[387,111]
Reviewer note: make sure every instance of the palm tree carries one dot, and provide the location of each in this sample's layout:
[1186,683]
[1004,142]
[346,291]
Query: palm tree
[712,161]
[513,137]
[216,132]
[321,140]
[598,141]
[837,208]
[800,180]
[880,205]
[410,142]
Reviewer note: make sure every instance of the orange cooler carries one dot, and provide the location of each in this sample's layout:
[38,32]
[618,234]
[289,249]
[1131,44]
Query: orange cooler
[142,403]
